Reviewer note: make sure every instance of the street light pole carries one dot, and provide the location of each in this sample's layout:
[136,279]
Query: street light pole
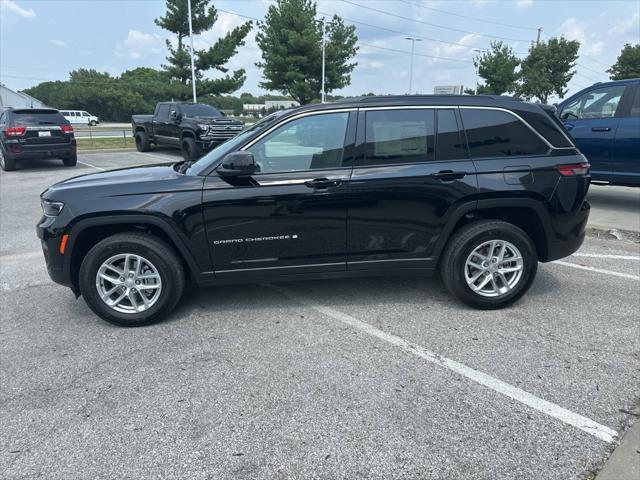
[322,99]
[476,67]
[193,68]
[413,44]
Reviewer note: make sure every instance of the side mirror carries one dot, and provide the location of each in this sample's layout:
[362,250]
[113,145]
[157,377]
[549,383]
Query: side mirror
[236,164]
[175,116]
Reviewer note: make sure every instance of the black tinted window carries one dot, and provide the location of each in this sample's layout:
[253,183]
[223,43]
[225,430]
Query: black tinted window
[635,106]
[399,136]
[163,112]
[493,133]
[35,118]
[198,110]
[449,145]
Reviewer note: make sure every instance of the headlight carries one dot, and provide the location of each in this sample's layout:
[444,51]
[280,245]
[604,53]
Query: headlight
[51,209]
[203,127]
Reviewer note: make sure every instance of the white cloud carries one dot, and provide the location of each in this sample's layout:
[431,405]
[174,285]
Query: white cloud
[627,26]
[58,43]
[480,4]
[573,29]
[524,3]
[13,7]
[139,45]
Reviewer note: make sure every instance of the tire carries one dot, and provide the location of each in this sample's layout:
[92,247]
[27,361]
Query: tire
[190,149]
[71,161]
[164,264]
[93,123]
[142,142]
[7,163]
[455,270]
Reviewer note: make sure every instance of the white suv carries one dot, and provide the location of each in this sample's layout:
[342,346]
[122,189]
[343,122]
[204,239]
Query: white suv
[80,116]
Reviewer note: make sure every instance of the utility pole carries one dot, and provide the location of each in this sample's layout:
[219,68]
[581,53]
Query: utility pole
[413,44]
[193,68]
[322,98]
[479,50]
[539,32]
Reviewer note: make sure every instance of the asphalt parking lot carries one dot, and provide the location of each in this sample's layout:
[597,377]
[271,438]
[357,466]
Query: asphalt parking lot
[371,378]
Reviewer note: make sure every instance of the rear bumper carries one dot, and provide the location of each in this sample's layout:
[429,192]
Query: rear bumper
[573,238]
[19,151]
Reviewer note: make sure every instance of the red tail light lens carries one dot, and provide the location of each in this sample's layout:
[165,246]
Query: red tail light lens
[67,129]
[574,169]
[15,131]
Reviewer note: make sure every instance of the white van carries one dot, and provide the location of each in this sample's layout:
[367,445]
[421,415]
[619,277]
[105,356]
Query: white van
[80,116]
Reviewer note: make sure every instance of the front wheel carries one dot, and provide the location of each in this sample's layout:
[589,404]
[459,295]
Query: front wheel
[93,123]
[489,264]
[131,279]
[190,149]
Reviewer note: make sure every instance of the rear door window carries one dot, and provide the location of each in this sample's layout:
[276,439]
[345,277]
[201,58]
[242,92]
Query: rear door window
[495,133]
[399,136]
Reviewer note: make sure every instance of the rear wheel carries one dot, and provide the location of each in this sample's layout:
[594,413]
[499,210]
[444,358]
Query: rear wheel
[7,163]
[71,160]
[190,149]
[142,142]
[132,279]
[489,264]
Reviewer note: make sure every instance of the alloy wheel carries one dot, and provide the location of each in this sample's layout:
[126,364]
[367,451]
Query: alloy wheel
[493,268]
[128,283]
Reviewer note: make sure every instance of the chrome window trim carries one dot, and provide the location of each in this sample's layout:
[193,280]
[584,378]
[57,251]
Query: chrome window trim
[473,107]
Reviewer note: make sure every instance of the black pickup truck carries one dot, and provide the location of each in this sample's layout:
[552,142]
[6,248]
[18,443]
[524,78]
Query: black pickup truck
[194,128]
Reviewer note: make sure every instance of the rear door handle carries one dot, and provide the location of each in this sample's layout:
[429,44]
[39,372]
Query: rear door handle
[446,175]
[601,129]
[323,182]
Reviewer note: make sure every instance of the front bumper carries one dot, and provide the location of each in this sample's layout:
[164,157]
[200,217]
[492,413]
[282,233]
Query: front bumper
[50,238]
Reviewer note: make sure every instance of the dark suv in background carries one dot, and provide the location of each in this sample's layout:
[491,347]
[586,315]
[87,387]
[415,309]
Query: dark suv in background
[479,188]
[35,133]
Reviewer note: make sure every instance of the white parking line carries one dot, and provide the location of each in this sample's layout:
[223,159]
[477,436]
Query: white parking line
[92,166]
[598,270]
[566,416]
[606,255]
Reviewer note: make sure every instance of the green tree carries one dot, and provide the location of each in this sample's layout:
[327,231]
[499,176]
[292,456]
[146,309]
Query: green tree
[498,69]
[204,16]
[548,68]
[291,42]
[627,64]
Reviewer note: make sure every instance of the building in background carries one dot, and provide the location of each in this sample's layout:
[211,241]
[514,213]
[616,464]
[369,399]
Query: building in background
[11,99]
[272,105]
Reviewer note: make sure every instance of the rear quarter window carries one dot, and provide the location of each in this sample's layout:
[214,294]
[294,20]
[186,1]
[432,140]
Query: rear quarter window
[495,133]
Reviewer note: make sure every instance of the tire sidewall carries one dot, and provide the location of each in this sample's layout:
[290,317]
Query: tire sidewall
[87,281]
[530,263]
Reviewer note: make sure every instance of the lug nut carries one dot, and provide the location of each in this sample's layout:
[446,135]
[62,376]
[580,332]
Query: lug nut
[122,279]
[137,282]
[131,275]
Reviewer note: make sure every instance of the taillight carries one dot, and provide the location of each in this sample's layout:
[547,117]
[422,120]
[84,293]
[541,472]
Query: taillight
[573,169]
[67,129]
[15,131]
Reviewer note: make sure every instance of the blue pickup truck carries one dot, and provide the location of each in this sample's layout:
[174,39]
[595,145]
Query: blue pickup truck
[604,120]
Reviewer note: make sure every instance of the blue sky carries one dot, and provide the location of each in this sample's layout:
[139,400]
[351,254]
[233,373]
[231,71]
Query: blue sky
[45,39]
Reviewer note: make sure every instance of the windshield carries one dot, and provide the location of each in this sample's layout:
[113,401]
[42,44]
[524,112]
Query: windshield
[199,110]
[233,144]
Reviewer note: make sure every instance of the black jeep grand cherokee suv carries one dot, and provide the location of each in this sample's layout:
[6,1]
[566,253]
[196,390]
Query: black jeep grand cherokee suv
[29,133]
[481,188]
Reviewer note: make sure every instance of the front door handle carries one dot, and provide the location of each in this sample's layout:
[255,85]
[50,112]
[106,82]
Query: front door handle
[601,129]
[323,182]
[446,175]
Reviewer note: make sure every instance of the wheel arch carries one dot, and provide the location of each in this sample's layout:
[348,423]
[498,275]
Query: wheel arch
[86,233]
[527,214]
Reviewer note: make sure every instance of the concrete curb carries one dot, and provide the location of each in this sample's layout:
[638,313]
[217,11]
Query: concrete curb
[106,150]
[613,234]
[624,462]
